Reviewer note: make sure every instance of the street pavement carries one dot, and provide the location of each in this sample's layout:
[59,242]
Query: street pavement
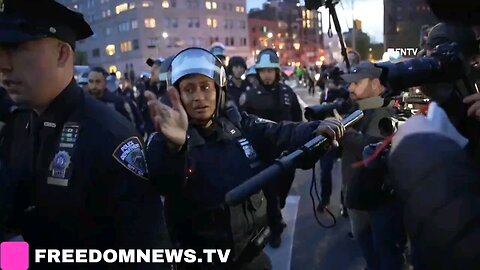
[306,245]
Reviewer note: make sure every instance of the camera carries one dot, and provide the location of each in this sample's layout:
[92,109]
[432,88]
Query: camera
[444,65]
[405,105]
[322,111]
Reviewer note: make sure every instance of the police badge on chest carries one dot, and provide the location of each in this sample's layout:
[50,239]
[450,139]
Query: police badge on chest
[248,149]
[60,168]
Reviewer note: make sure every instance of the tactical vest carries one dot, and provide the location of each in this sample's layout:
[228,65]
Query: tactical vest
[275,105]
[213,169]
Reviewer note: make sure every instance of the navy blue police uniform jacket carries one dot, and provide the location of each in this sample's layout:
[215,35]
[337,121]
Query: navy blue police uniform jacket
[80,180]
[235,92]
[196,179]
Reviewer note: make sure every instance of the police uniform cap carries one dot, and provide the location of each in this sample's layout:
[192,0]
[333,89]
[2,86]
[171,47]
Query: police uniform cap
[27,20]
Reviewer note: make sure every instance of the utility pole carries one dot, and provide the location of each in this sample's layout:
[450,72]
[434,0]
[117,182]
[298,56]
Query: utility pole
[354,40]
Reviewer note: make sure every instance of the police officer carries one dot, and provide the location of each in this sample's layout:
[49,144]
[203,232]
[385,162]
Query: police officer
[236,85]
[5,111]
[251,77]
[78,167]
[277,102]
[218,49]
[97,86]
[273,100]
[201,152]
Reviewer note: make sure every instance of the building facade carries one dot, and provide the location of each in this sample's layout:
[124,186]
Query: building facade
[296,33]
[127,32]
[403,22]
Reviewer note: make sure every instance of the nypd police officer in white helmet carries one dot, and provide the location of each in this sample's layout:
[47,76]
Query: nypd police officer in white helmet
[277,102]
[202,151]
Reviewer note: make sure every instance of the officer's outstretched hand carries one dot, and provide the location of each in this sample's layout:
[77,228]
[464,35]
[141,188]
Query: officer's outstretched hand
[332,128]
[474,109]
[172,122]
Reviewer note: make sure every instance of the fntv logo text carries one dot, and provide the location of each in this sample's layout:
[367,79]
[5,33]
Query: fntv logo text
[403,51]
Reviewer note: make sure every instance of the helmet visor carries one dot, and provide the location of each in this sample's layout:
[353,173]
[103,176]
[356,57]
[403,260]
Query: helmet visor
[196,61]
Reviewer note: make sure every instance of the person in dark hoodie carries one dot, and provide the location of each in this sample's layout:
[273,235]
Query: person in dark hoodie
[434,168]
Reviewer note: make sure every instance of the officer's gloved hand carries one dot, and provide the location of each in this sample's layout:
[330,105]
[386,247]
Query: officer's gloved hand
[332,129]
[172,122]
[474,109]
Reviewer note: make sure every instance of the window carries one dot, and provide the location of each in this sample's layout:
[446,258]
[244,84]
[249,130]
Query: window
[230,7]
[170,22]
[96,53]
[227,41]
[228,24]
[193,4]
[126,46]
[254,29]
[211,5]
[108,31]
[124,27]
[193,23]
[243,25]
[173,3]
[90,3]
[146,4]
[135,44]
[110,49]
[121,8]
[131,5]
[240,9]
[152,43]
[212,23]
[174,22]
[232,41]
[109,13]
[199,42]
[165,4]
[243,42]
[134,24]
[150,23]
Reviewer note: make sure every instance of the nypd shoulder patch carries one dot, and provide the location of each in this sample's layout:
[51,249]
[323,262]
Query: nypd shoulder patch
[131,155]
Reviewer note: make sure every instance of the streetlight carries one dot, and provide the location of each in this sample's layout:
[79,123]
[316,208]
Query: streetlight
[270,35]
[165,35]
